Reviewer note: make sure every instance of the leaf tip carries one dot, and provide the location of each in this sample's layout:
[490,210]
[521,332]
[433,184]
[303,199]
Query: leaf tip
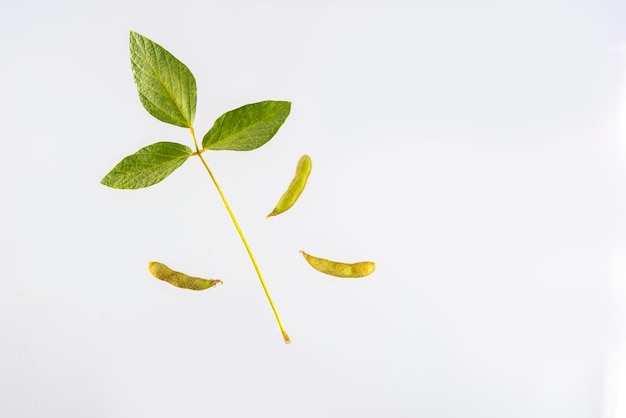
[105,181]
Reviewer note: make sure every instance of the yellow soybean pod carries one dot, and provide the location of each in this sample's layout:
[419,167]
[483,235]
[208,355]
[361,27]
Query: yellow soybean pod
[178,279]
[296,187]
[334,268]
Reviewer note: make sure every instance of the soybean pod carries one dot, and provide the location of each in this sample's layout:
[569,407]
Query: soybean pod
[296,187]
[337,269]
[178,279]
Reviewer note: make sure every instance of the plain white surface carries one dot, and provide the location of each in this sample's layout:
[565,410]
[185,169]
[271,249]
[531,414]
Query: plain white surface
[471,151]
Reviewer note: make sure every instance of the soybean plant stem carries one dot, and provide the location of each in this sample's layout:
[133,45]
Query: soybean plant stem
[242,236]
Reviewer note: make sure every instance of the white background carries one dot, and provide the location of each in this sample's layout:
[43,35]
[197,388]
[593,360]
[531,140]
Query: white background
[472,151]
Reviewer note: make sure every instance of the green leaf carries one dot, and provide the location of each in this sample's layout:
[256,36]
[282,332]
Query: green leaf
[247,127]
[166,87]
[147,166]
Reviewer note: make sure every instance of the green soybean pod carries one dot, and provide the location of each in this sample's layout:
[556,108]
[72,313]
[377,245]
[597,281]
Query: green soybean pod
[296,187]
[337,269]
[178,279]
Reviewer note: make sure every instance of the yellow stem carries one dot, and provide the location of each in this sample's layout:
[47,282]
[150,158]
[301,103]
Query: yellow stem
[242,236]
